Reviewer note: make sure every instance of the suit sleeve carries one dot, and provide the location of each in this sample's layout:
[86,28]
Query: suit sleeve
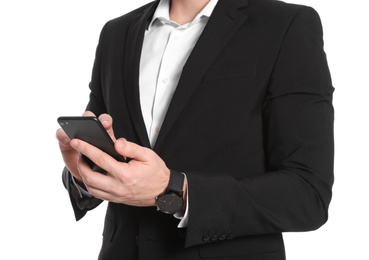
[295,191]
[81,205]
[96,103]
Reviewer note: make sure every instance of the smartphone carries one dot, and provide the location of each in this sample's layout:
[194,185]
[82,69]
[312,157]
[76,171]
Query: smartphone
[90,130]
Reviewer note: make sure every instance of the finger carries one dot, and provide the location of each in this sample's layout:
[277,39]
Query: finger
[88,113]
[101,159]
[62,137]
[101,194]
[90,178]
[99,185]
[132,150]
[107,121]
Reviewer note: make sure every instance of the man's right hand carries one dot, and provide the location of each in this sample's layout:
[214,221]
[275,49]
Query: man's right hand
[70,155]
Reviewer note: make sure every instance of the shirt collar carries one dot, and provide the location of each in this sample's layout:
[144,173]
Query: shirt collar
[162,12]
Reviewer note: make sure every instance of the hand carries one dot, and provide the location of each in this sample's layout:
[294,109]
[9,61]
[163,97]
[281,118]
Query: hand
[70,155]
[136,183]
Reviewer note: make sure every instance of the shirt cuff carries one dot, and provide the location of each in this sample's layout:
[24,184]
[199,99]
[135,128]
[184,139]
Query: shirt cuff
[183,215]
[81,191]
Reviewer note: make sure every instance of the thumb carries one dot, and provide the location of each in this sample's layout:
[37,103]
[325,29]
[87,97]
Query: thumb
[107,121]
[132,150]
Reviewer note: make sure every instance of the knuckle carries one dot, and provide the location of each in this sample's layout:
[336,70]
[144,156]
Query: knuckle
[119,193]
[122,177]
[150,154]
[125,178]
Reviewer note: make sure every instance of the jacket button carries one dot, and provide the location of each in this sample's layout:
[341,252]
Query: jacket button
[222,237]
[230,236]
[206,238]
[214,238]
[137,242]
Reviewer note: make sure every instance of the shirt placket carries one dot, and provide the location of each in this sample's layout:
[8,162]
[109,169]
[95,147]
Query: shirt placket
[165,83]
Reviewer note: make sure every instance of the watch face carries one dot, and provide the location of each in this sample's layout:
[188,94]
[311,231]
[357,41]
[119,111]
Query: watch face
[170,203]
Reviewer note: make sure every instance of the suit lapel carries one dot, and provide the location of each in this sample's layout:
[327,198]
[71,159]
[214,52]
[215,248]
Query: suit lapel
[222,25]
[134,41]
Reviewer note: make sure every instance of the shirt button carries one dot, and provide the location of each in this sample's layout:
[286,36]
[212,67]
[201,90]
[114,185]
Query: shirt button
[177,37]
[157,129]
[165,80]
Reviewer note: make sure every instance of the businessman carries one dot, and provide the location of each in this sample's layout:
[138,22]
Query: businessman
[224,108]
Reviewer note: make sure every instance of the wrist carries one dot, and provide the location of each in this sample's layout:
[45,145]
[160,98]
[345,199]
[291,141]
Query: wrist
[172,201]
[165,185]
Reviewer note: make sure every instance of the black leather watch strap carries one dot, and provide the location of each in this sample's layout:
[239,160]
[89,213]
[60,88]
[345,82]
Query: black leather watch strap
[176,182]
[172,200]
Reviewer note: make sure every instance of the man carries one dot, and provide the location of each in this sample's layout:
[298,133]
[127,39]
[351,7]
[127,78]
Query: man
[225,108]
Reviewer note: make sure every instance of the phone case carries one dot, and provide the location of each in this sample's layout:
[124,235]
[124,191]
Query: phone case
[90,130]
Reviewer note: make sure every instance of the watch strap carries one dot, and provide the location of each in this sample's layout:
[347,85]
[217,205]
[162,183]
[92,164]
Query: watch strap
[176,181]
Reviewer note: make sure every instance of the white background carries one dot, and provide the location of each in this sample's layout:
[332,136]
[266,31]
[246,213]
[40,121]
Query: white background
[46,55]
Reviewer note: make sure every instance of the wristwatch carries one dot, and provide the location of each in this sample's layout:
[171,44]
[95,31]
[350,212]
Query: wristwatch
[171,201]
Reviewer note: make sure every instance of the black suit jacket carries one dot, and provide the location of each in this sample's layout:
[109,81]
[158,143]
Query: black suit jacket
[250,123]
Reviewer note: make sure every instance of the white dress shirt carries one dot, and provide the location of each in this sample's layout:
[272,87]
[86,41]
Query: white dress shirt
[166,48]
